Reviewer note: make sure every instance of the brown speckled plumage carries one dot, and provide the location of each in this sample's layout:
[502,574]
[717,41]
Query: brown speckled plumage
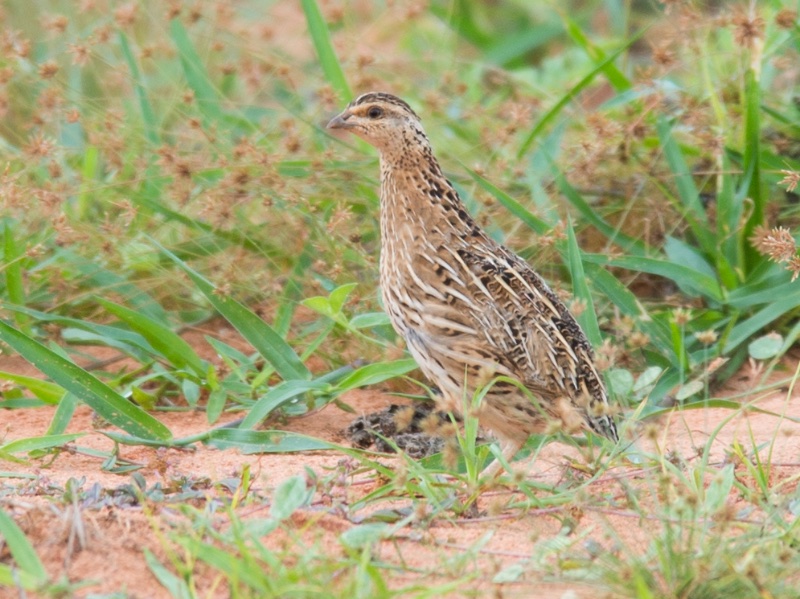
[468,308]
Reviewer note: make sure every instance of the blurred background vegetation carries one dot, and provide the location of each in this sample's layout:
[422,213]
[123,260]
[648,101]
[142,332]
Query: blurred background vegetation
[148,143]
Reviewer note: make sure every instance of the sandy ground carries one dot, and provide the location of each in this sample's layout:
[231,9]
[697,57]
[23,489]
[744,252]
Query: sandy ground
[122,532]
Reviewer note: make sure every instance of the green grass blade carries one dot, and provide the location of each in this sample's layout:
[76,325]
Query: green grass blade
[223,560]
[758,321]
[619,295]
[690,204]
[275,398]
[511,49]
[372,374]
[634,246]
[729,233]
[129,342]
[96,394]
[680,252]
[318,29]
[48,392]
[580,289]
[261,336]
[687,190]
[166,342]
[175,586]
[752,162]
[744,298]
[148,115]
[458,15]
[688,279]
[63,416]
[574,91]
[205,94]
[23,553]
[534,223]
[615,77]
[12,266]
[35,443]
[725,404]
[215,405]
[615,291]
[83,205]
[292,291]
[98,276]
[248,441]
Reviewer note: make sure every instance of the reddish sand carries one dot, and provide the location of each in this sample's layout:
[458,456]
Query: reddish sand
[110,552]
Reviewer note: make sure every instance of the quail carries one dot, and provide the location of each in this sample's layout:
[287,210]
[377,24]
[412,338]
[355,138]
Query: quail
[469,309]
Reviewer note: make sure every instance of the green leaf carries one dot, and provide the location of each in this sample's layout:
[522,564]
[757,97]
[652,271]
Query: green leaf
[63,415]
[215,405]
[729,213]
[620,381]
[97,395]
[580,289]
[22,552]
[690,203]
[318,29]
[765,347]
[175,586]
[36,443]
[752,162]
[275,398]
[458,15]
[634,246]
[191,392]
[364,535]
[534,223]
[615,77]
[510,48]
[758,321]
[126,341]
[510,574]
[146,400]
[717,493]
[686,278]
[372,374]
[167,343]
[689,389]
[248,441]
[148,116]
[332,305]
[647,379]
[83,204]
[263,337]
[45,390]
[290,495]
[680,252]
[12,265]
[687,190]
[205,94]
[339,296]
[370,320]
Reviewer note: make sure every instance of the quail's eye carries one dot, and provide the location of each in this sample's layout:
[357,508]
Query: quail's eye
[375,112]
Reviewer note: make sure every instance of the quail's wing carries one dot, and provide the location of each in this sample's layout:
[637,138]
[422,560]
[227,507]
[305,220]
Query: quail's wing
[541,341]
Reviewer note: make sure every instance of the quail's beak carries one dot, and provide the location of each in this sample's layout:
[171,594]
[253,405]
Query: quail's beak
[340,121]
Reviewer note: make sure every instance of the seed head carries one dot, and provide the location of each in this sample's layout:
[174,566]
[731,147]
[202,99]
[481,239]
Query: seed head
[748,28]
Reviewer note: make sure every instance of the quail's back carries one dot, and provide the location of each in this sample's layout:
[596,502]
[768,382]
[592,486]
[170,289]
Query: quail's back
[469,309]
